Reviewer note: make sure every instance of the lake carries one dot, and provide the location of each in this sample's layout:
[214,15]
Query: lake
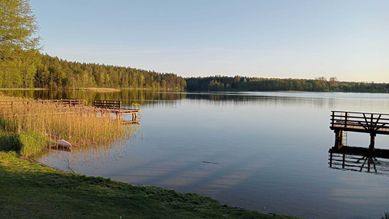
[266,151]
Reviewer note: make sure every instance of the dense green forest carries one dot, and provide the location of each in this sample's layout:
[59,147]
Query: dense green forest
[237,83]
[23,66]
[55,73]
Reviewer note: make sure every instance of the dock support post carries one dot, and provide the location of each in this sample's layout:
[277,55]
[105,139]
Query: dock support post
[118,116]
[372,141]
[338,138]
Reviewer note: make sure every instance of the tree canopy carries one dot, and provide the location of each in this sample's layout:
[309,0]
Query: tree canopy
[238,83]
[18,44]
[21,64]
[55,73]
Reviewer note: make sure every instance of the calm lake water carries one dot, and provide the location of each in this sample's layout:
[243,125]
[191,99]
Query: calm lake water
[266,151]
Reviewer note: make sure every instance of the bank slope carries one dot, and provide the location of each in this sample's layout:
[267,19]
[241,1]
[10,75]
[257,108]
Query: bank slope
[32,190]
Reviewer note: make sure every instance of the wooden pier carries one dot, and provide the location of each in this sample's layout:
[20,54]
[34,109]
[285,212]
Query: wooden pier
[69,102]
[64,102]
[115,107]
[103,107]
[370,123]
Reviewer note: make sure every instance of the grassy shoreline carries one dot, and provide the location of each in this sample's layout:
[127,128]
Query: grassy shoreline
[32,190]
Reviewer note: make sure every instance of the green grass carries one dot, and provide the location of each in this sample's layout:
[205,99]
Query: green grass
[32,190]
[31,143]
[26,144]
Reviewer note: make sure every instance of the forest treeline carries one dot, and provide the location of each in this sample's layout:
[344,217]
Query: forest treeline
[237,83]
[23,66]
[55,73]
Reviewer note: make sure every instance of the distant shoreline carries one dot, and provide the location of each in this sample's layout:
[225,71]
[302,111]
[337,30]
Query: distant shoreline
[96,89]
[115,90]
[100,89]
[22,89]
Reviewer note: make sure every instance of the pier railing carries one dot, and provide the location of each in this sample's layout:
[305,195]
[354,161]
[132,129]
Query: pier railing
[360,122]
[107,104]
[70,102]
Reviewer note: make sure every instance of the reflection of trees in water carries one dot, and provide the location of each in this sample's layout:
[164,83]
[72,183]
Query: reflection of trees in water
[231,98]
[154,97]
[316,100]
[128,97]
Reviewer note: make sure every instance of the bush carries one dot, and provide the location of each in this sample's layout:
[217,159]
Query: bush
[26,144]
[32,143]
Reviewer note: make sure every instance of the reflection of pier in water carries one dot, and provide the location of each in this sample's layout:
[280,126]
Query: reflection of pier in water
[358,158]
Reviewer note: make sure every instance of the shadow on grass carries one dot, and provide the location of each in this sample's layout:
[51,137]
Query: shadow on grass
[31,190]
[9,142]
[26,144]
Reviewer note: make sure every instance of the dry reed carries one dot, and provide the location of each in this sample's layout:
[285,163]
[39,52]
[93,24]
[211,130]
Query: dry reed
[80,125]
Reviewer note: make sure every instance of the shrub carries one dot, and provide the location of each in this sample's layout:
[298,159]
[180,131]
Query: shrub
[26,144]
[31,143]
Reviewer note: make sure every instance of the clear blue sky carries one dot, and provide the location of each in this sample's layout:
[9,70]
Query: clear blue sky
[348,39]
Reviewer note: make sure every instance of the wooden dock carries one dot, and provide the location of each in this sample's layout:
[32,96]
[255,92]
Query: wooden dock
[69,102]
[115,107]
[64,102]
[370,123]
[103,107]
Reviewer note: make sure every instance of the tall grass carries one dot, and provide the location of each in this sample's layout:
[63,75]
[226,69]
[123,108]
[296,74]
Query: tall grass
[80,125]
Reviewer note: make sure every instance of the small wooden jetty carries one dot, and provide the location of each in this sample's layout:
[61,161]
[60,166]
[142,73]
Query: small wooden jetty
[66,102]
[370,123]
[99,106]
[115,106]
[69,102]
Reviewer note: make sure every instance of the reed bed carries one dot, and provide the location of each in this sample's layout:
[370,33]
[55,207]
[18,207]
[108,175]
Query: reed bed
[80,125]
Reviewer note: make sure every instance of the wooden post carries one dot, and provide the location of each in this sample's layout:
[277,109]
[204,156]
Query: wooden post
[338,138]
[368,164]
[372,141]
[118,115]
[345,120]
